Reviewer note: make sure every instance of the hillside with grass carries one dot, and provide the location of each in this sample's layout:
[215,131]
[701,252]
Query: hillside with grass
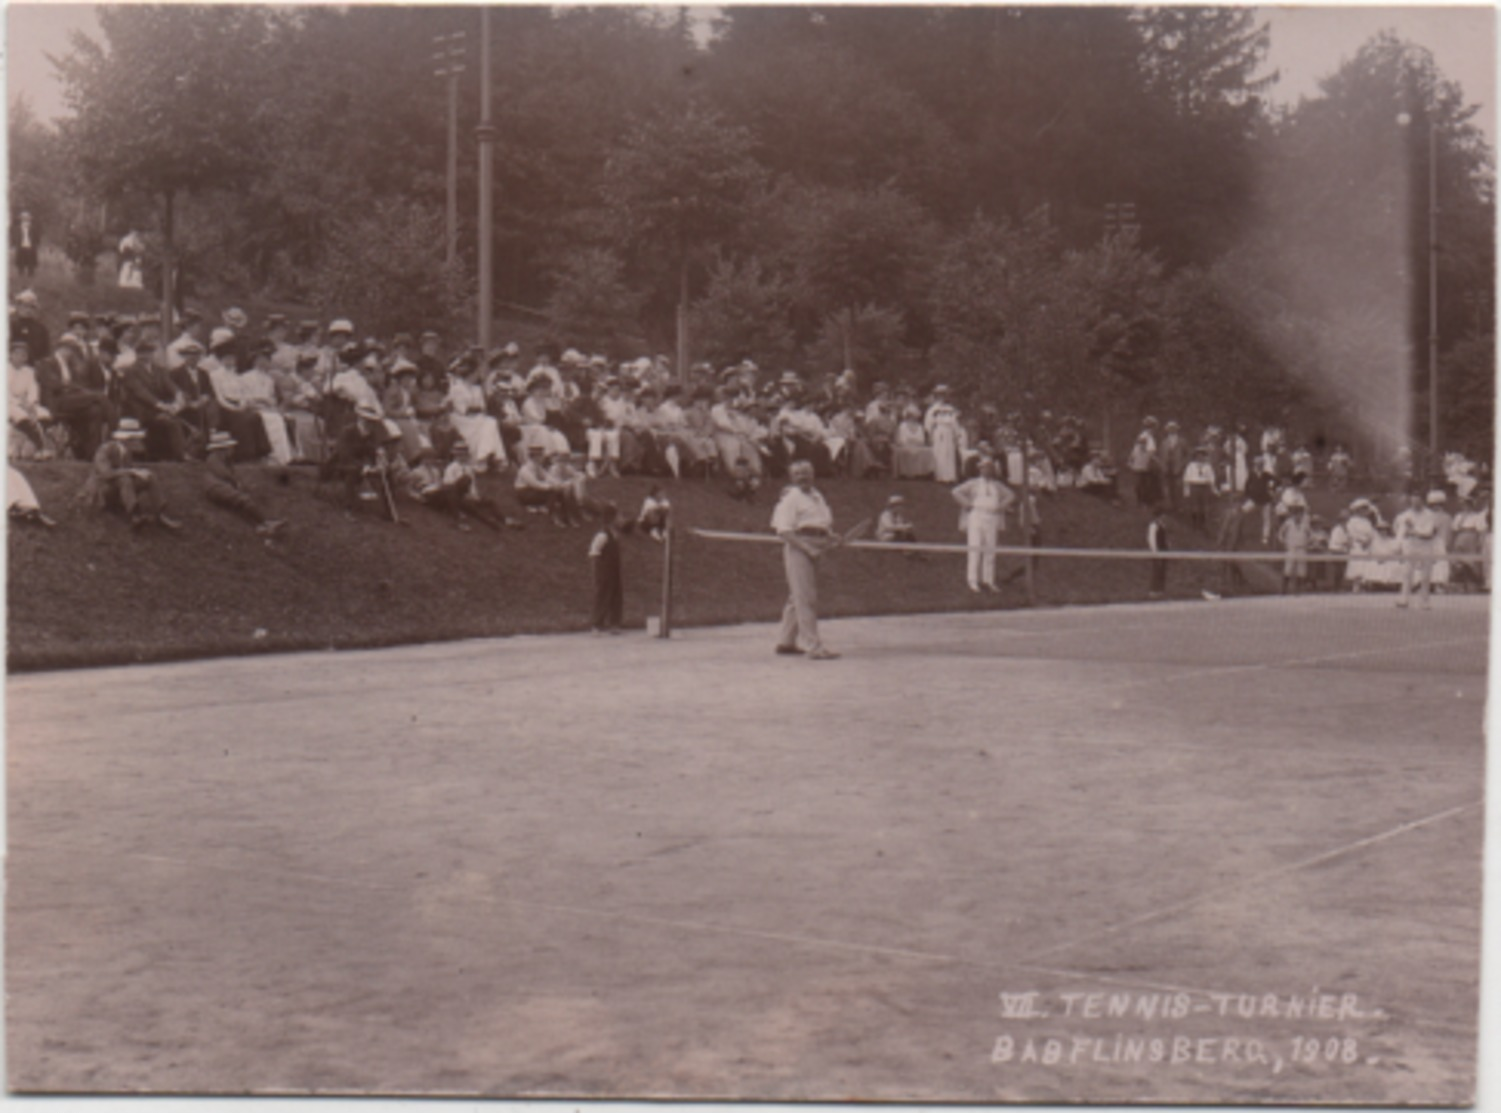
[92,591]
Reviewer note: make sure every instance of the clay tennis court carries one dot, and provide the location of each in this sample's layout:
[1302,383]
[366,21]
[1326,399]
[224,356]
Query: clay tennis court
[688,868]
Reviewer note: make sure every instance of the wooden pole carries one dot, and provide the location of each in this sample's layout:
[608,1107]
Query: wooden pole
[664,629]
[486,135]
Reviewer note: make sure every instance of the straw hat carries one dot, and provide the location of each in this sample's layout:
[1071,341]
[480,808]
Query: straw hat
[129,429]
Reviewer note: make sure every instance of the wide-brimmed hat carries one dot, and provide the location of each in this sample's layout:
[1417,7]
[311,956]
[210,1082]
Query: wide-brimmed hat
[28,297]
[235,317]
[1437,498]
[341,325]
[220,439]
[220,337]
[895,500]
[129,429]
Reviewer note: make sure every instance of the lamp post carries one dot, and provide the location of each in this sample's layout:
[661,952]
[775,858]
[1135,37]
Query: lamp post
[1405,119]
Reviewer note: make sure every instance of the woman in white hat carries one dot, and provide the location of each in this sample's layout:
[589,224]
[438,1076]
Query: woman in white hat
[942,425]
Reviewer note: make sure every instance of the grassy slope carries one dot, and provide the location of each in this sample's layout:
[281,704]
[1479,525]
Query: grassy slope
[92,591]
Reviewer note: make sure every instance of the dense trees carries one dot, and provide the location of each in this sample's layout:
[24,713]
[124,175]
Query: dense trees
[914,190]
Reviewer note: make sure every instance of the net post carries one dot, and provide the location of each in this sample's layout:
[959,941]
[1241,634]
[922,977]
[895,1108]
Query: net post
[664,628]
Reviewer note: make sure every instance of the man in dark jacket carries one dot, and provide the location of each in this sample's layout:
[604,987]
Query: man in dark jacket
[73,389]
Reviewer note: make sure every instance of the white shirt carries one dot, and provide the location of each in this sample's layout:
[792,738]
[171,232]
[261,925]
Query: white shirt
[984,496]
[801,510]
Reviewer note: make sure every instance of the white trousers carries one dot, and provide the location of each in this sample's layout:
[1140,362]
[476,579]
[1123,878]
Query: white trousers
[982,534]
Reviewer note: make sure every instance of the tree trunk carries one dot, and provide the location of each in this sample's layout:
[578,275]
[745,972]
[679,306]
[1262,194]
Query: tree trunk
[682,323]
[848,328]
[169,268]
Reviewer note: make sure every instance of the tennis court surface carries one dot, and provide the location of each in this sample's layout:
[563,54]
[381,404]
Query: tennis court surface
[1182,852]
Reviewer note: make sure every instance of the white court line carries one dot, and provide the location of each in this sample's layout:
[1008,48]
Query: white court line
[1254,879]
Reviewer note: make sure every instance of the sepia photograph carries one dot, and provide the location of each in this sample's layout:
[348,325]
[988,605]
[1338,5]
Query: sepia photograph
[912,554]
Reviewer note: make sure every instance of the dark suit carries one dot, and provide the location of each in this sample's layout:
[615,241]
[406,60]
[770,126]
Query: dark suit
[146,387]
[73,387]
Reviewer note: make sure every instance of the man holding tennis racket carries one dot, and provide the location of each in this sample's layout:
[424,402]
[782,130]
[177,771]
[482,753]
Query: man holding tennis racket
[803,521]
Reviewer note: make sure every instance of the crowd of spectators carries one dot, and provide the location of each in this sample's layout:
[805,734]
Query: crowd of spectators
[411,415]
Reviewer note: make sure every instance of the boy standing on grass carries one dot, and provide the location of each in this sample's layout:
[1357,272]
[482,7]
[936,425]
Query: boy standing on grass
[609,592]
[1157,542]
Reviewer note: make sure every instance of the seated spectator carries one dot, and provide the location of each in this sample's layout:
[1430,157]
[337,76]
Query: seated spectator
[27,414]
[894,524]
[22,501]
[536,490]
[912,458]
[258,392]
[569,476]
[656,514]
[299,399]
[744,481]
[71,387]
[154,400]
[399,404]
[466,409]
[1097,478]
[116,480]
[235,414]
[225,489]
[457,492]
[364,449]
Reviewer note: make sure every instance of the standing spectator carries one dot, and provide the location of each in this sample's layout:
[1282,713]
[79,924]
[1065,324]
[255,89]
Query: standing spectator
[26,239]
[1143,464]
[115,480]
[1261,489]
[1339,546]
[26,324]
[1340,466]
[1416,529]
[1199,488]
[26,410]
[225,489]
[984,501]
[1157,542]
[942,425]
[1232,538]
[1237,457]
[609,592]
[1295,536]
[1172,457]
[132,254]
[1468,541]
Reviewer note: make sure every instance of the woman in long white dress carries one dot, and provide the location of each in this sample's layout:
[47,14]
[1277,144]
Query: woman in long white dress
[466,409]
[942,424]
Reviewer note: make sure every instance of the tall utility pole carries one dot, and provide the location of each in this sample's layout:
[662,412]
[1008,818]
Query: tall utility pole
[1406,119]
[486,135]
[448,62]
[1433,458]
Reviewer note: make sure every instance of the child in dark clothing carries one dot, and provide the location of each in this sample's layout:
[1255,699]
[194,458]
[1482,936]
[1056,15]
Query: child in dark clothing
[1157,542]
